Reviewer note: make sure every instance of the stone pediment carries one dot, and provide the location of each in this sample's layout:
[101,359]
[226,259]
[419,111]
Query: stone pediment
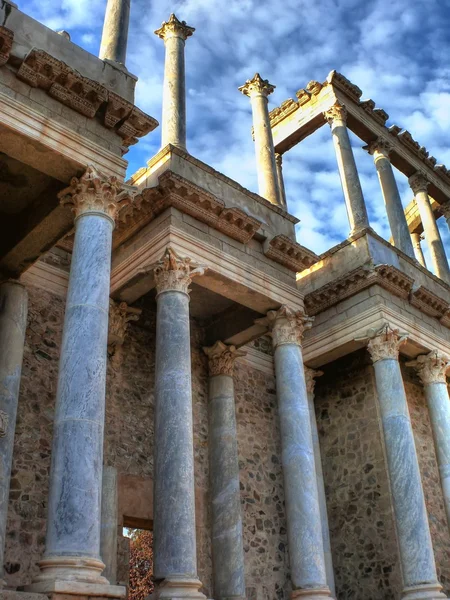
[290,254]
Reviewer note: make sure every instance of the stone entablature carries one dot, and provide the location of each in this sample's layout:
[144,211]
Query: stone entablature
[290,254]
[429,303]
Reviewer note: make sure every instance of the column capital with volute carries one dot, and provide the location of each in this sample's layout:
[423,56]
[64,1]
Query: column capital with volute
[257,87]
[385,343]
[221,358]
[337,112]
[310,379]
[418,182]
[432,367]
[286,325]
[174,28]
[174,273]
[379,147]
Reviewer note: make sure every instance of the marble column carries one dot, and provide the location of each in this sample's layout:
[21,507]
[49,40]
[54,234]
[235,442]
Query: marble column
[109,524]
[258,90]
[419,186]
[13,323]
[310,375]
[281,188]
[173,127]
[174,541]
[416,549]
[416,242]
[304,528]
[432,369]
[380,149]
[445,209]
[72,555]
[227,540]
[351,186]
[115,31]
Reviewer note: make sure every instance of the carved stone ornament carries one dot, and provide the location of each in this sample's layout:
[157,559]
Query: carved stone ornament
[385,343]
[94,192]
[379,147]
[337,112]
[418,183]
[310,379]
[174,274]
[120,314]
[4,420]
[6,42]
[222,358]
[432,367]
[257,87]
[174,28]
[286,325]
[445,210]
[289,253]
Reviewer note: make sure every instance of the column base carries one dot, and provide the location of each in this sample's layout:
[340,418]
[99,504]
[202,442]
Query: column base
[179,588]
[313,594]
[425,591]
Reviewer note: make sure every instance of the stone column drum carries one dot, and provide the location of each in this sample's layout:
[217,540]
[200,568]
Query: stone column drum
[416,549]
[351,186]
[445,209]
[109,525]
[13,323]
[281,188]
[416,242]
[173,127]
[380,149]
[419,186]
[72,555]
[227,540]
[115,31]
[310,375]
[258,90]
[432,369]
[175,557]
[304,529]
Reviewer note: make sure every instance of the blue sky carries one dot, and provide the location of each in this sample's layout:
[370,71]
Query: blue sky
[397,52]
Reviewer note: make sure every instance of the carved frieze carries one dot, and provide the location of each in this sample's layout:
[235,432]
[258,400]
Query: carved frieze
[289,253]
[6,42]
[428,302]
[80,93]
[237,224]
[284,110]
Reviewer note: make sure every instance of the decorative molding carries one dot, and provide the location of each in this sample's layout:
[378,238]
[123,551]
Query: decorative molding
[289,253]
[385,343]
[310,379]
[174,28]
[429,303]
[6,42]
[432,367]
[286,325]
[222,358]
[257,87]
[173,273]
[341,82]
[418,183]
[47,277]
[337,112]
[378,114]
[380,146]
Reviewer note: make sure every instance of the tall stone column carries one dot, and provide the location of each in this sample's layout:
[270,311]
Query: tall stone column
[173,128]
[174,542]
[258,90]
[227,540]
[109,524]
[416,242]
[416,549]
[304,529]
[310,375]
[445,208]
[115,31]
[380,149]
[351,186]
[419,186]
[432,369]
[13,323]
[281,188]
[72,556]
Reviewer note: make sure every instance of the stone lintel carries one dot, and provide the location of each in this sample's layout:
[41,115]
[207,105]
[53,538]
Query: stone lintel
[289,253]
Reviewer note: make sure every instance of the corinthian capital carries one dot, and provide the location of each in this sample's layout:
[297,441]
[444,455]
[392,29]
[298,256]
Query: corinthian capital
[337,112]
[310,379]
[173,273]
[385,343]
[445,209]
[222,358]
[286,325]
[418,182]
[432,367]
[94,192]
[257,87]
[174,28]
[379,147]
[120,314]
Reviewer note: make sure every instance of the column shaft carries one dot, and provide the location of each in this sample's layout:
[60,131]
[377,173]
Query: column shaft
[115,31]
[415,238]
[433,236]
[13,322]
[109,525]
[281,188]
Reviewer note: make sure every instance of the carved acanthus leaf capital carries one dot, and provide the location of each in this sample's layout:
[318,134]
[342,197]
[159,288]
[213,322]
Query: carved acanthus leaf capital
[174,273]
[286,325]
[418,182]
[174,28]
[257,87]
[310,379]
[337,112]
[94,192]
[385,343]
[445,209]
[379,147]
[221,358]
[432,367]
[120,314]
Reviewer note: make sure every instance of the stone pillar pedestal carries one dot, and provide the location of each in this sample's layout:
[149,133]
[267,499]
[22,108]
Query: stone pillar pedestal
[419,186]
[13,323]
[109,525]
[173,126]
[227,540]
[71,563]
[416,242]
[416,549]
[351,186]
[258,89]
[174,541]
[304,528]
[115,31]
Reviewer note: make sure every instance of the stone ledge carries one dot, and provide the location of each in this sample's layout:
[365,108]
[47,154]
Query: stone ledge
[59,588]
[290,254]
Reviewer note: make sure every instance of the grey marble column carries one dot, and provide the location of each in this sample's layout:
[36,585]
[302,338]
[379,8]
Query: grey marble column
[416,549]
[416,242]
[304,528]
[310,375]
[175,558]
[432,369]
[351,186]
[380,149]
[281,188]
[258,90]
[227,540]
[72,552]
[115,31]
[13,323]
[419,186]
[173,127]
[109,524]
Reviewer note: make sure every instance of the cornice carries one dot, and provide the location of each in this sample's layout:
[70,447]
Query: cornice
[289,253]
[6,42]
[429,303]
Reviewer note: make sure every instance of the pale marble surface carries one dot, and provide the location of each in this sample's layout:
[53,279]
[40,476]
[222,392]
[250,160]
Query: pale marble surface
[109,524]
[115,31]
[173,126]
